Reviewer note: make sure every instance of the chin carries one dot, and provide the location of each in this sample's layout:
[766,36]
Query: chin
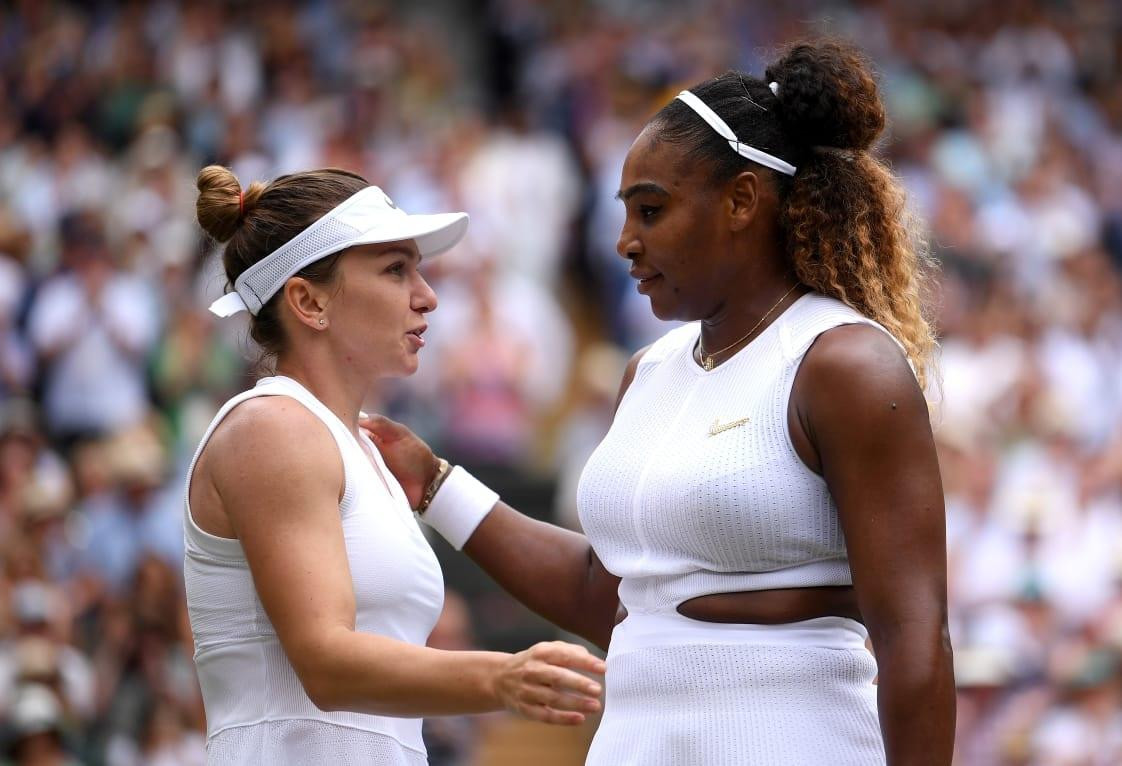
[404,369]
[665,311]
[410,366]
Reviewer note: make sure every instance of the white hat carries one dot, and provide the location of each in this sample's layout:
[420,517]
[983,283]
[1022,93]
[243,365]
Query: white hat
[365,218]
[35,709]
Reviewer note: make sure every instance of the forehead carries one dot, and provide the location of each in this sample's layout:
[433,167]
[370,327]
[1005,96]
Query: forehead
[651,160]
[648,155]
[405,246]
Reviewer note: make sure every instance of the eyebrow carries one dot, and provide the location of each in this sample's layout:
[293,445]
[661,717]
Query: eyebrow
[645,186]
[400,251]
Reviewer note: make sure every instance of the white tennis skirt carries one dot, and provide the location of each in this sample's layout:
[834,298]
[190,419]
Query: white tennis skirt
[681,692]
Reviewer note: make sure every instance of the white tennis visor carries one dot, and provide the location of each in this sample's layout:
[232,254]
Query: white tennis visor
[365,218]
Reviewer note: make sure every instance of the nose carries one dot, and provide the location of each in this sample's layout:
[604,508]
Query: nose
[424,297]
[628,245]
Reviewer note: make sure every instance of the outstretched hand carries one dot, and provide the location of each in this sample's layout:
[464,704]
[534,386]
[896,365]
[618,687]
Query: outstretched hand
[547,683]
[407,456]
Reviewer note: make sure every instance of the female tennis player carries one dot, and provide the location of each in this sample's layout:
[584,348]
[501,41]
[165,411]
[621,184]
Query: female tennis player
[310,588]
[768,495]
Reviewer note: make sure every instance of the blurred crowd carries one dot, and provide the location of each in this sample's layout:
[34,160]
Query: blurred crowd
[1006,128]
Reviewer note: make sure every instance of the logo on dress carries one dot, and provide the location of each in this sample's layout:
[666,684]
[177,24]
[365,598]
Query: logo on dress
[717,428]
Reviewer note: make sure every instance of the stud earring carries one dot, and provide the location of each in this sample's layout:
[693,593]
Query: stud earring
[322,321]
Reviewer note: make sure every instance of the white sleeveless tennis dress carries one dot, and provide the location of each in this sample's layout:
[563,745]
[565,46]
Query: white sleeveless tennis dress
[256,708]
[697,489]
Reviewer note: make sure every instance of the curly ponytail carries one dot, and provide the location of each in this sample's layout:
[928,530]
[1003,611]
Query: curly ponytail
[843,216]
[847,237]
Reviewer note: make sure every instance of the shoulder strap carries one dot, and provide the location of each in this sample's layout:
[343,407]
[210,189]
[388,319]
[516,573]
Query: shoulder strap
[673,341]
[275,386]
[814,315]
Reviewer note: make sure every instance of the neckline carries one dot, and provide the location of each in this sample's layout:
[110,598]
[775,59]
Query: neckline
[306,390]
[377,462]
[697,369]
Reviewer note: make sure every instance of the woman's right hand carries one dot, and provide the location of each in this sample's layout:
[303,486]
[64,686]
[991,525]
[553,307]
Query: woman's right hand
[542,683]
[407,456]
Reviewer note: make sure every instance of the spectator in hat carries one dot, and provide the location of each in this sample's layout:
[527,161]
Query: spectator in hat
[36,732]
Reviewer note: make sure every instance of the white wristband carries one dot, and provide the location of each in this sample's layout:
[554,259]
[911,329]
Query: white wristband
[459,506]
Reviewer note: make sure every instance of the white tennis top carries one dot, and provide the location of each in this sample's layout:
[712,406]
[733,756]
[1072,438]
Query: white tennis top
[256,709]
[697,488]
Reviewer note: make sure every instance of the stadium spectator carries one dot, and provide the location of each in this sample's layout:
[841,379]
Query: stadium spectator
[1006,127]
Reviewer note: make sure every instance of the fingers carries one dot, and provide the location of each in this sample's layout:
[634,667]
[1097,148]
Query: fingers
[569,656]
[564,672]
[542,703]
[380,428]
[545,684]
[548,715]
[563,679]
[556,699]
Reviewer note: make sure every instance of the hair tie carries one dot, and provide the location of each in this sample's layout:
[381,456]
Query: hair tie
[241,204]
[774,86]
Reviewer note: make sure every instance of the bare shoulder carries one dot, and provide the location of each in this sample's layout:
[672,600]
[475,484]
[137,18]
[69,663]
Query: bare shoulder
[857,349]
[858,358]
[855,381]
[267,438]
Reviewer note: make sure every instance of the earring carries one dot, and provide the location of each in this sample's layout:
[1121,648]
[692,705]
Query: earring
[322,321]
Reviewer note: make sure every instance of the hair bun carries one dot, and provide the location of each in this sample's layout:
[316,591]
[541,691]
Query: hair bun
[222,205]
[828,96]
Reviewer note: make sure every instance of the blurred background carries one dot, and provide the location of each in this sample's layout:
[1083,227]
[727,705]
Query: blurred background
[1006,128]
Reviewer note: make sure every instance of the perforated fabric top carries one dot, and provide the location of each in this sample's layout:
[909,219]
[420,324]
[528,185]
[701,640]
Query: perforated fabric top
[698,489]
[251,693]
[367,217]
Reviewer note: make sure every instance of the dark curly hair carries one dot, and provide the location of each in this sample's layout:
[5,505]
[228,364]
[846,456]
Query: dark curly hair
[845,226]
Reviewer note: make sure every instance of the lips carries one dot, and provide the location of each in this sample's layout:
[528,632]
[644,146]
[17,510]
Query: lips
[646,279]
[414,336]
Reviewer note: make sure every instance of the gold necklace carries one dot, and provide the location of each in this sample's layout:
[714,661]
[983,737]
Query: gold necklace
[707,360]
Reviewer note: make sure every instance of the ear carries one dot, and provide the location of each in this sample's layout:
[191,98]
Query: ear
[742,200]
[306,300]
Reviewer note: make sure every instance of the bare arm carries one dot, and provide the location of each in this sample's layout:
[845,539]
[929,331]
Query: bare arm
[867,418]
[551,570]
[292,536]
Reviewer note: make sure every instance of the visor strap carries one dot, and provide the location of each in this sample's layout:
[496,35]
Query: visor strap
[261,281]
[228,305]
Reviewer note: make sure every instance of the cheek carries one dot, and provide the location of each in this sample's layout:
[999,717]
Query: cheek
[690,281]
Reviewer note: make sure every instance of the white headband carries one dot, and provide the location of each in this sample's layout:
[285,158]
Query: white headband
[365,218]
[725,132]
